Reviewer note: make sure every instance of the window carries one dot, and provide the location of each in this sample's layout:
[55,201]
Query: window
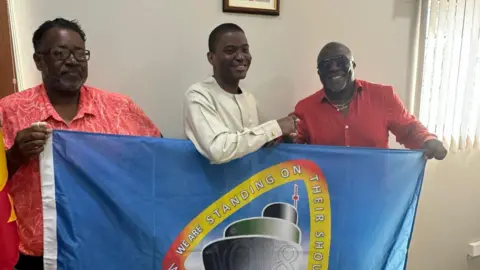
[450,93]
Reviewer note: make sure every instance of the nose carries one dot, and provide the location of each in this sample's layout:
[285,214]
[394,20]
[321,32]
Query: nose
[239,56]
[334,66]
[71,60]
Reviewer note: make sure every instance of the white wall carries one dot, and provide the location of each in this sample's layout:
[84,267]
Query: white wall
[153,50]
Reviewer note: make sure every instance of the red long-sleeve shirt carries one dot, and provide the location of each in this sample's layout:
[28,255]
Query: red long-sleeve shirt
[374,111]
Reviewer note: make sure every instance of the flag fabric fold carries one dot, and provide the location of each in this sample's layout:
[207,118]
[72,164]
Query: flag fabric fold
[120,202]
[8,226]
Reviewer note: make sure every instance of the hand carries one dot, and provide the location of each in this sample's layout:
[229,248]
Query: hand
[288,125]
[272,143]
[434,149]
[29,142]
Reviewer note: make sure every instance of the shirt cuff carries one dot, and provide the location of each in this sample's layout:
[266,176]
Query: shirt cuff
[272,130]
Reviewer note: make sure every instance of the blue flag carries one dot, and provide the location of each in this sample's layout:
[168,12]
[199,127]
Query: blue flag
[120,202]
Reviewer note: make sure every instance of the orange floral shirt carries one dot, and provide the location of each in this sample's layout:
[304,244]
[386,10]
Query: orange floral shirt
[99,111]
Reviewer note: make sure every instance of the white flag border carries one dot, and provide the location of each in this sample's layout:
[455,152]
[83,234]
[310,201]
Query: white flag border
[47,176]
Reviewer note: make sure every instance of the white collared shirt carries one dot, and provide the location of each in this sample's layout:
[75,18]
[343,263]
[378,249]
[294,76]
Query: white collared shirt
[224,126]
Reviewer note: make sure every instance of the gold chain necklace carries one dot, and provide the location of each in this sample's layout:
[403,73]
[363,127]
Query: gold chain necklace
[341,107]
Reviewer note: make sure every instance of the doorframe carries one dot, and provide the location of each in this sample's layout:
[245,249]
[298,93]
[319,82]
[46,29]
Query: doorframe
[18,77]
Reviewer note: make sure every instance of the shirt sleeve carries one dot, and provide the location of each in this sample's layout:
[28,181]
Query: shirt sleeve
[302,130]
[143,125]
[214,140]
[408,130]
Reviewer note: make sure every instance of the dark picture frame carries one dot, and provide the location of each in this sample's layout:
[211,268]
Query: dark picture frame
[228,7]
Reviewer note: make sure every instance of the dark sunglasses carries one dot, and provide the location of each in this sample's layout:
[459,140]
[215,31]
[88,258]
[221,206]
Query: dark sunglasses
[341,61]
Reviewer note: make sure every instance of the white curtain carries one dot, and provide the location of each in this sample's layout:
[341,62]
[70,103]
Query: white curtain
[450,93]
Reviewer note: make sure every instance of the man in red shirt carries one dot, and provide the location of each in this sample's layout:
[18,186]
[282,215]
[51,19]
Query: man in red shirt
[350,112]
[61,102]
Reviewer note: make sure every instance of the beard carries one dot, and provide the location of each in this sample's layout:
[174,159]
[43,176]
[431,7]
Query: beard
[70,85]
[64,84]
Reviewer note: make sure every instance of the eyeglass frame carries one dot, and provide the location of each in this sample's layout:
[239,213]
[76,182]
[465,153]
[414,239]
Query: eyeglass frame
[49,52]
[349,61]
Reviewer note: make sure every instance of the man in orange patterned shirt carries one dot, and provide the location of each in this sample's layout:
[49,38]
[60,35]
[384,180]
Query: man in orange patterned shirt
[61,102]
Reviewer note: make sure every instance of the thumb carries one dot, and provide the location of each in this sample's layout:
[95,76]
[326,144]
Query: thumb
[428,153]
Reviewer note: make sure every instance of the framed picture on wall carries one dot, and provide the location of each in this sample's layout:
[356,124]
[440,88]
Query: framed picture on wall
[265,7]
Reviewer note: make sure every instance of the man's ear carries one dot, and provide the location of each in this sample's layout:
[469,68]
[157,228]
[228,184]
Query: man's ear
[211,58]
[38,61]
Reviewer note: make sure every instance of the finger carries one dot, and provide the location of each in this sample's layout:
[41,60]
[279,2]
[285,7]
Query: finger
[39,124]
[294,119]
[33,136]
[297,122]
[31,145]
[40,127]
[293,134]
[440,155]
[428,157]
[271,143]
[428,154]
[34,152]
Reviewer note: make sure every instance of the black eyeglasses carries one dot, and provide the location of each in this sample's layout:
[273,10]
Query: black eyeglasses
[341,61]
[64,53]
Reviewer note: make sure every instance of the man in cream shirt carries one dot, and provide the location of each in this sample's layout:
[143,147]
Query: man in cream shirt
[221,119]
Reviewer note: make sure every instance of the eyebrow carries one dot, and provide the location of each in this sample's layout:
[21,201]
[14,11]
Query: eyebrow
[63,46]
[333,57]
[233,45]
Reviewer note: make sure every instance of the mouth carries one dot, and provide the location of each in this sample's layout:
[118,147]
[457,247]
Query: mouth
[240,68]
[336,76]
[71,74]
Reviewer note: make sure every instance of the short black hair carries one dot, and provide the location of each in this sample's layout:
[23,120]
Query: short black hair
[60,23]
[220,30]
[335,46]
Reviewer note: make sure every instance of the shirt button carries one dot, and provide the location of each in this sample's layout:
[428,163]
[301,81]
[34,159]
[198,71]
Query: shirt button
[346,127]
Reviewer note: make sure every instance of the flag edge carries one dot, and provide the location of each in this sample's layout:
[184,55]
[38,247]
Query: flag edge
[47,176]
